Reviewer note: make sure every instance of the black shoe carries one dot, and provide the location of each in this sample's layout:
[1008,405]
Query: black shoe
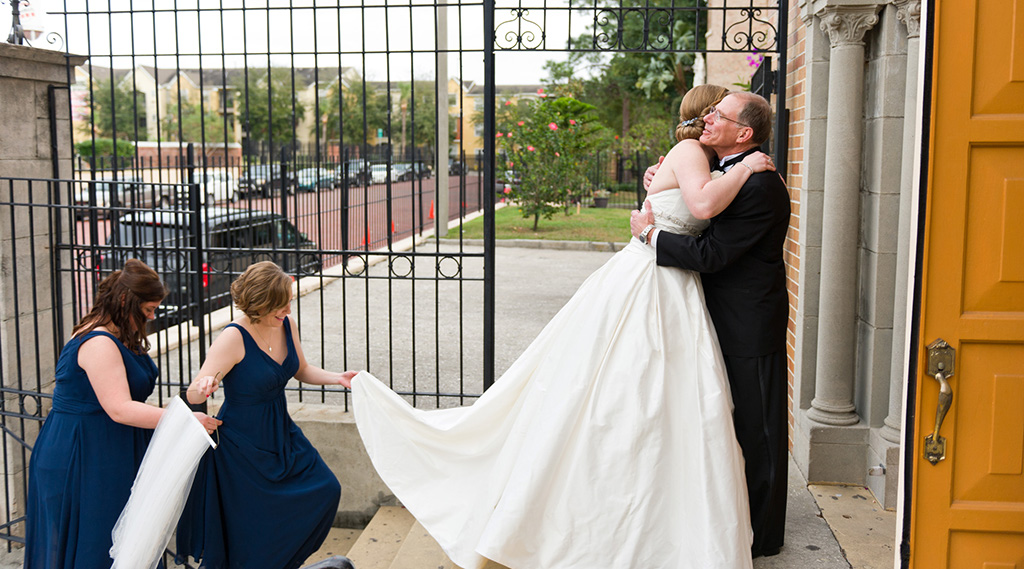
[771,551]
[336,562]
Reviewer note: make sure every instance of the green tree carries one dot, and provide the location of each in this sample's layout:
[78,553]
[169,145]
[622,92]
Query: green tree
[545,142]
[268,106]
[116,111]
[344,109]
[195,125]
[631,84]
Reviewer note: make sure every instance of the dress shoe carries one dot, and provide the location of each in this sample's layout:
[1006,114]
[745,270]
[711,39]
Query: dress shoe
[765,552]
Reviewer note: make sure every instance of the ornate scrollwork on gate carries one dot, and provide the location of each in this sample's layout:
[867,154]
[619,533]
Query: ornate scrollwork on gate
[519,33]
[655,25]
[750,32]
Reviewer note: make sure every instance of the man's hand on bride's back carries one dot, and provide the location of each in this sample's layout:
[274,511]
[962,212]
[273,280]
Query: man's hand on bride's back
[649,174]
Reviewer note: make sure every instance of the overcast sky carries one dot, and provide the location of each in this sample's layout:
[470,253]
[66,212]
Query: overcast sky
[218,32]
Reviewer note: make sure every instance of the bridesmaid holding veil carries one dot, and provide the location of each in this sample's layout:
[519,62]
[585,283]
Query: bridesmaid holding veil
[610,441]
[90,447]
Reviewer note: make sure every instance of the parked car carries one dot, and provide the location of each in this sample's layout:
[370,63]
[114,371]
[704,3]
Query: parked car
[311,179]
[421,169]
[125,192]
[355,172]
[215,186]
[503,178]
[401,172]
[456,167]
[264,180]
[378,173]
[232,239]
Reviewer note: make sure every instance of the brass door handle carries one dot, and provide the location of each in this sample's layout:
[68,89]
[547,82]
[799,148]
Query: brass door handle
[941,360]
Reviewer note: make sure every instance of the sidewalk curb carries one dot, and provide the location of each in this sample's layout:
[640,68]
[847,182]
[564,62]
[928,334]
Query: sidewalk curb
[600,246]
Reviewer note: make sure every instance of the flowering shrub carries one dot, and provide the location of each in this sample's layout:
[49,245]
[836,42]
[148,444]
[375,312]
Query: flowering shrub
[547,140]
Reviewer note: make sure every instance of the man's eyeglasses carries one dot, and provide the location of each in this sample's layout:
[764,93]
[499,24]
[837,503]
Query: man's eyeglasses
[720,117]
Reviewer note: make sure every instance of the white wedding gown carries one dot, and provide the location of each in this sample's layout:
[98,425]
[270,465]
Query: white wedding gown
[608,443]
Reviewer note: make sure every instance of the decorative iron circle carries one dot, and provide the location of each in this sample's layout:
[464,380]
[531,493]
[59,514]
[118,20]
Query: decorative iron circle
[455,265]
[360,267]
[393,266]
[31,404]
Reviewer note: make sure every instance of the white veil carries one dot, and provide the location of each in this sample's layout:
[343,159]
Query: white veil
[160,489]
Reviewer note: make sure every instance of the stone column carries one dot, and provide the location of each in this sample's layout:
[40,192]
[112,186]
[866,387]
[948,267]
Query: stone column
[837,324]
[908,12]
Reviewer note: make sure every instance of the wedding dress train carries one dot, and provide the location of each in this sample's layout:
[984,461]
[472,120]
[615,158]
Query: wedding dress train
[608,443]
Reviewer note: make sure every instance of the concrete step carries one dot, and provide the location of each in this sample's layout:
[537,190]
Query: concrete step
[420,551]
[380,541]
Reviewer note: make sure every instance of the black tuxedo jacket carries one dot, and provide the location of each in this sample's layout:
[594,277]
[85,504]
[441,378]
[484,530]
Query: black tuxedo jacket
[742,271]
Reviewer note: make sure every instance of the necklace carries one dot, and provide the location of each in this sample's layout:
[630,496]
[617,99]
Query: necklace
[269,347]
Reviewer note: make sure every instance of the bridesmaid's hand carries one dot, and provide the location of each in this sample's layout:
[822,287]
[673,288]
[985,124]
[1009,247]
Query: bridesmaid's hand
[209,423]
[206,385]
[346,379]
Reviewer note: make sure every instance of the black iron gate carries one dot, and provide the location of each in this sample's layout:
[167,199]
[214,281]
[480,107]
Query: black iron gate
[207,137]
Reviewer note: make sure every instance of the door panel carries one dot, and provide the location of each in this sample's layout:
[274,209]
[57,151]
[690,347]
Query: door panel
[967,511]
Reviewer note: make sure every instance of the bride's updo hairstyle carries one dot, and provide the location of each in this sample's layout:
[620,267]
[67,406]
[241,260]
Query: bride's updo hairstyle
[695,106]
[261,289]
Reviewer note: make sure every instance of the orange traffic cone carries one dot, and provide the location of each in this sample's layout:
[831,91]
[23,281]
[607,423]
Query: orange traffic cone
[366,240]
[431,209]
[392,227]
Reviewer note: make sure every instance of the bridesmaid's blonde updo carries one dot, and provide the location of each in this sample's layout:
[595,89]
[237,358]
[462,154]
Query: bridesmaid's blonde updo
[261,289]
[695,106]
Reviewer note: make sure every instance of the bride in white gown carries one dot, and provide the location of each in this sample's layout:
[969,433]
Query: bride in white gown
[609,442]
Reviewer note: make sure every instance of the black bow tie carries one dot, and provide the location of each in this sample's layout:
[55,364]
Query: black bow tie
[732,161]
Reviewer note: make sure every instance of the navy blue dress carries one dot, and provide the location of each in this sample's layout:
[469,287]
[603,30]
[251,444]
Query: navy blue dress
[263,499]
[83,466]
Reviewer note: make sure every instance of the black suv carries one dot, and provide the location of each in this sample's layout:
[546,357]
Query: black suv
[232,239]
[264,180]
[355,172]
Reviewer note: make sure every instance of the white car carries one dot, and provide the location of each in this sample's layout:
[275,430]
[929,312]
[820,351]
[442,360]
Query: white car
[378,173]
[219,186]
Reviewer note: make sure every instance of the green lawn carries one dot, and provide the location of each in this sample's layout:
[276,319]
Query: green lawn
[591,224]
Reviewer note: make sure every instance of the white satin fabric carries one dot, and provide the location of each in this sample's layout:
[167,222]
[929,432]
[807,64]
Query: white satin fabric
[160,489]
[608,443]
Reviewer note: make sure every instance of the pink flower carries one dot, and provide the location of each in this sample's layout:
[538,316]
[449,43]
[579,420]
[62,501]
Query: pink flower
[530,148]
[572,121]
[508,190]
[498,135]
[507,103]
[616,137]
[510,164]
[520,123]
[540,91]
[510,135]
[553,126]
[542,95]
[557,154]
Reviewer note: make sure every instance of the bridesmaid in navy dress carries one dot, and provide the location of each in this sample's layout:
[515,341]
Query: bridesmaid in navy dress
[264,498]
[90,447]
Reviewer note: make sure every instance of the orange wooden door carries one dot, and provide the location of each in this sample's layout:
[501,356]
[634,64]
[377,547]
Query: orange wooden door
[968,509]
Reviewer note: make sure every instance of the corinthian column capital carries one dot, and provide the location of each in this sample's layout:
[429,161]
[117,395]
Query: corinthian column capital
[909,12]
[846,24]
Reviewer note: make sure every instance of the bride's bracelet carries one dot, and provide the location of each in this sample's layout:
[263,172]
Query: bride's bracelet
[747,167]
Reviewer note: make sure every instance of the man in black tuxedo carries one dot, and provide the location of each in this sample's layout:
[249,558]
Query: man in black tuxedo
[743,275]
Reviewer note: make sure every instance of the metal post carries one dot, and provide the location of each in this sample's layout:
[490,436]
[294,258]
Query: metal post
[199,234]
[441,182]
[17,35]
[489,238]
